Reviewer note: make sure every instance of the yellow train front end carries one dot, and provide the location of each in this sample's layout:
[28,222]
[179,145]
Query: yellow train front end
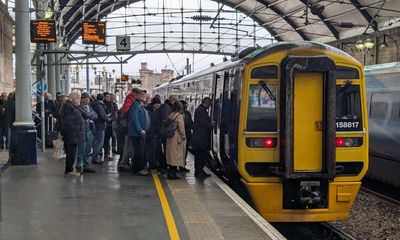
[302,140]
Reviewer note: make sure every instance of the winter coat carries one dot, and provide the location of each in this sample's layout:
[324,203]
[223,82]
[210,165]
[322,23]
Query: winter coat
[153,114]
[72,124]
[112,109]
[201,139]
[99,108]
[10,112]
[89,116]
[188,127]
[138,119]
[176,145]
[3,112]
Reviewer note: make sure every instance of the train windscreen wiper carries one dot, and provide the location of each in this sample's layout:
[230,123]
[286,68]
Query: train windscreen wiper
[267,90]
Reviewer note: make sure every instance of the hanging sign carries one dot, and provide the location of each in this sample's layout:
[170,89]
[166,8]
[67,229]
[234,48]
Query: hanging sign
[94,33]
[43,31]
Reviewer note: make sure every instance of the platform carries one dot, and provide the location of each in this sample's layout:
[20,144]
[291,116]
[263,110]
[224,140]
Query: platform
[39,203]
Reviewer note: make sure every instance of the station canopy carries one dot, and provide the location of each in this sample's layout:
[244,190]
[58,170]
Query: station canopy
[285,20]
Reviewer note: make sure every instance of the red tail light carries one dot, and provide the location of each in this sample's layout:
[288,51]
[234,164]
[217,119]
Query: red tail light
[261,142]
[340,142]
[349,142]
[269,142]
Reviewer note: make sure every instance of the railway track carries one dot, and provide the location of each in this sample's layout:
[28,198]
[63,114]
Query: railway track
[387,199]
[335,233]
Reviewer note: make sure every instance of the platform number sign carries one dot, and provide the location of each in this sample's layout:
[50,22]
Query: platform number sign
[123,43]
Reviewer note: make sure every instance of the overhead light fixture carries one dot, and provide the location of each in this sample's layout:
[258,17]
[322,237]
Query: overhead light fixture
[317,9]
[360,45]
[369,43]
[48,14]
[384,44]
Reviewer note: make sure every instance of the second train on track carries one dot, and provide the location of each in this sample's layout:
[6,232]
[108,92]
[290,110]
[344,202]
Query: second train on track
[291,122]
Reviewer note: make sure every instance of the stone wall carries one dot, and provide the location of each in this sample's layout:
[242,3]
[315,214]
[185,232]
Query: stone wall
[150,79]
[6,51]
[377,54]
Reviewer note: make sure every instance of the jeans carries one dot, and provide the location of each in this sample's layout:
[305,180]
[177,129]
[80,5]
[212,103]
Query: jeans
[161,159]
[3,135]
[127,152]
[70,151]
[200,157]
[139,160]
[107,137]
[84,151]
[98,143]
[150,151]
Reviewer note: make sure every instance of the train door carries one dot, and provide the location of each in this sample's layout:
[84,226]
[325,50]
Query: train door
[216,112]
[308,109]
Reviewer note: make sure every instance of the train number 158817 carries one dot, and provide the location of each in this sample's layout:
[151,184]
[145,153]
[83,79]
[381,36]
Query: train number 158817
[345,125]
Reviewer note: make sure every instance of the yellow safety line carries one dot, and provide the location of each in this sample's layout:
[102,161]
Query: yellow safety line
[169,218]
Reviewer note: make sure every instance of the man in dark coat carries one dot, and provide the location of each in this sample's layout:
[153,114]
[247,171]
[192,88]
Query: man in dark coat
[84,149]
[72,131]
[3,121]
[108,133]
[152,134]
[201,140]
[100,125]
[163,113]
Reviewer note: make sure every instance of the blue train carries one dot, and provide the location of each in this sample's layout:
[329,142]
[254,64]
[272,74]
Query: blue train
[383,94]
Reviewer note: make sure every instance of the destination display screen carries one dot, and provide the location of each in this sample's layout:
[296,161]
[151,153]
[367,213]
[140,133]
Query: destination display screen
[43,31]
[94,33]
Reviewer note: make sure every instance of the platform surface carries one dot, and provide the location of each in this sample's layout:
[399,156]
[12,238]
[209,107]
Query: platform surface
[39,203]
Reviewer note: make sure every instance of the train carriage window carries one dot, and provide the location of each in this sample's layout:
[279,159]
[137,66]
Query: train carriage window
[348,108]
[379,110]
[264,72]
[262,114]
[395,111]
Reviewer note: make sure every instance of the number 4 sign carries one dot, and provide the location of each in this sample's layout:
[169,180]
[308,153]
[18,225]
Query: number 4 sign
[123,43]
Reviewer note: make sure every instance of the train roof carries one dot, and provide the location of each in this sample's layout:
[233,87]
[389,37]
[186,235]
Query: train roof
[393,67]
[256,53]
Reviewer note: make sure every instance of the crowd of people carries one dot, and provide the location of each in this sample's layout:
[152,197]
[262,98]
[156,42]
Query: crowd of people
[146,133]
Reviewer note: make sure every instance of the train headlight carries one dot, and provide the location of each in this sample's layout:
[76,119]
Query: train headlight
[349,142]
[261,142]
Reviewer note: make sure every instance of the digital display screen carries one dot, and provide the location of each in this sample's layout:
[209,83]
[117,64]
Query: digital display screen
[43,31]
[94,33]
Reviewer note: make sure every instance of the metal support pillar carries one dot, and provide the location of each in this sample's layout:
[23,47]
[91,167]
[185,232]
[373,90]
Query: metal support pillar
[23,133]
[67,81]
[51,71]
[58,69]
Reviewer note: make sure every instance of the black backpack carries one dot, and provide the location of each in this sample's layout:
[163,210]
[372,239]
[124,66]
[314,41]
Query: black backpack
[168,128]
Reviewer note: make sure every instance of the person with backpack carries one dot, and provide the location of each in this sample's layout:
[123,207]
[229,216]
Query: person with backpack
[152,134]
[188,130]
[138,125]
[125,145]
[100,125]
[201,140]
[163,113]
[85,148]
[176,144]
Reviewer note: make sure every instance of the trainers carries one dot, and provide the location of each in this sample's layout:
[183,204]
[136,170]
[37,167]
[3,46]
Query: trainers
[201,175]
[144,172]
[183,170]
[72,174]
[108,158]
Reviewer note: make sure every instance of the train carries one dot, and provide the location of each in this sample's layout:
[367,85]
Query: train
[383,98]
[291,120]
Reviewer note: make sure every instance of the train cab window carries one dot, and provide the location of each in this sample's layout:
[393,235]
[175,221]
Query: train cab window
[264,72]
[346,73]
[348,108]
[262,116]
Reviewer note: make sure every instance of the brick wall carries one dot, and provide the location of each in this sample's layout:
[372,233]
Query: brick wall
[6,51]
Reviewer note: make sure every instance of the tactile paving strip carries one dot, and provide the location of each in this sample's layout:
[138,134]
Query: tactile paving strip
[198,223]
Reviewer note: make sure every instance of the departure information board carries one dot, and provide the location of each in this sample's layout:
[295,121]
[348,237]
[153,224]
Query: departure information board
[94,33]
[43,31]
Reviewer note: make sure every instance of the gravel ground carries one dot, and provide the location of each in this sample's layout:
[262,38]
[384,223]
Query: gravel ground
[372,218]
